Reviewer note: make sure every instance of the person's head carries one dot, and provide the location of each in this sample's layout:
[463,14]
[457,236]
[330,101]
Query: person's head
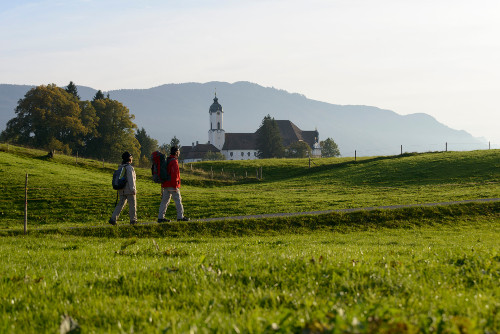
[174,150]
[127,157]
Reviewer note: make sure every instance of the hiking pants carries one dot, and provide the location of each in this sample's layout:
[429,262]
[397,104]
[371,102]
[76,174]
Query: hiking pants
[165,200]
[132,207]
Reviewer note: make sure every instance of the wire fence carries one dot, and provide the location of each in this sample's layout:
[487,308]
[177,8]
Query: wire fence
[364,150]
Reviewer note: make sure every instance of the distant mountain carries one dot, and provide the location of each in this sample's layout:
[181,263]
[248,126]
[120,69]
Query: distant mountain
[181,110]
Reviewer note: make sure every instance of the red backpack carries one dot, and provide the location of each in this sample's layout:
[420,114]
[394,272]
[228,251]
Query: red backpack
[158,159]
[159,169]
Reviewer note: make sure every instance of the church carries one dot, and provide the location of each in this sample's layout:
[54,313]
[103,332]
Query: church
[242,146]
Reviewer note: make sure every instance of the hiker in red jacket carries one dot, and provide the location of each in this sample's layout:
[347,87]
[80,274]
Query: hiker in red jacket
[170,188]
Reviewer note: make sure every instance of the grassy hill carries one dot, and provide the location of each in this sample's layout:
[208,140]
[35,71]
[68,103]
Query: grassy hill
[64,191]
[412,270]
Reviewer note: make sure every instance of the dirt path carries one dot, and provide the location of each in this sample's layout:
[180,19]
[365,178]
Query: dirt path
[269,215]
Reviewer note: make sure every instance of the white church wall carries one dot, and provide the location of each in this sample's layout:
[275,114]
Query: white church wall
[217,138]
[240,154]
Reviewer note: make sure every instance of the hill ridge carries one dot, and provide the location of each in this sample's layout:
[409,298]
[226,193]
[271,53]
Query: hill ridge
[181,110]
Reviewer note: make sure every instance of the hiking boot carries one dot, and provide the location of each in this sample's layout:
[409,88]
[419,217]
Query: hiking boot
[133,222]
[163,220]
[112,222]
[183,219]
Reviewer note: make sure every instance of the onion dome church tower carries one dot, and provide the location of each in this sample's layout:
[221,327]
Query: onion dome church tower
[216,134]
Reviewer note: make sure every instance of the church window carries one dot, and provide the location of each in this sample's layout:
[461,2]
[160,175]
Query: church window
[242,153]
[254,154]
[218,125]
[248,154]
[231,154]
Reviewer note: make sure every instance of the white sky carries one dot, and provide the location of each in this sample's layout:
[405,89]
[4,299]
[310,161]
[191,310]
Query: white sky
[440,57]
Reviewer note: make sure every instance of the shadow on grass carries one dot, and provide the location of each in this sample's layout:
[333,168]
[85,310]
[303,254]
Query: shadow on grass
[339,222]
[317,169]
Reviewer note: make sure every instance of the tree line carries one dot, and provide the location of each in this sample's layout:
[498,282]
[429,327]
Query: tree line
[56,119]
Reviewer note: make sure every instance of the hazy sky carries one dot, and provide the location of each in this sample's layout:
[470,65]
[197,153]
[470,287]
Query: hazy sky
[440,57]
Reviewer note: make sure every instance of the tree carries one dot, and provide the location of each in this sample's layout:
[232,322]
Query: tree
[99,96]
[48,117]
[174,142]
[329,148]
[90,121]
[165,148]
[299,149]
[269,142]
[214,156]
[148,145]
[71,88]
[116,131]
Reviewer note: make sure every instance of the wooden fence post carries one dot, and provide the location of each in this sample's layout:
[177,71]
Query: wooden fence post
[26,205]
[103,163]
[257,171]
[354,155]
[246,174]
[446,146]
[401,149]
[261,173]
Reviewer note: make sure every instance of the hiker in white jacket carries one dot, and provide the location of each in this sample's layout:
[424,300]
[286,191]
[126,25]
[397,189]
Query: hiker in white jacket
[127,194]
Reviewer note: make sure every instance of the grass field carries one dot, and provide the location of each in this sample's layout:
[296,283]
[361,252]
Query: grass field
[439,279]
[62,192]
[411,270]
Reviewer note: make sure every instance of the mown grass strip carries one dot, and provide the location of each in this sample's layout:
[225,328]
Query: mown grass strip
[341,222]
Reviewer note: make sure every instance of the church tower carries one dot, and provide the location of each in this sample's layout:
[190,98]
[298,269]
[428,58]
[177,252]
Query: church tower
[216,134]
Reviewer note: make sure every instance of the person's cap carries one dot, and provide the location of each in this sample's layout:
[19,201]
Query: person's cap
[173,149]
[126,156]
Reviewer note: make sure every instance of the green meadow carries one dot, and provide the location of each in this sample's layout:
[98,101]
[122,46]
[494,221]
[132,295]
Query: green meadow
[410,270]
[66,192]
[430,279]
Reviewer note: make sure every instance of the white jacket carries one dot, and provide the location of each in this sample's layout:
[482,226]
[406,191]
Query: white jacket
[130,188]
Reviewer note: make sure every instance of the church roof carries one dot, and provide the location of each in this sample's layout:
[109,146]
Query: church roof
[197,152]
[291,133]
[240,141]
[215,106]
[310,137]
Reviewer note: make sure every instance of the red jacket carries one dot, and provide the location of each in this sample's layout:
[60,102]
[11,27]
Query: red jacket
[175,175]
